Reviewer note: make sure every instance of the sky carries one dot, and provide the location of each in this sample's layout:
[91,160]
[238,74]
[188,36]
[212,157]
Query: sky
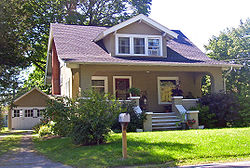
[199,20]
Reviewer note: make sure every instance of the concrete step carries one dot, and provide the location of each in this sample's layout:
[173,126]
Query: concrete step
[164,114]
[165,128]
[163,124]
[161,120]
[168,117]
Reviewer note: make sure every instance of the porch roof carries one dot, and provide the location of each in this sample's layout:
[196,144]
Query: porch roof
[74,44]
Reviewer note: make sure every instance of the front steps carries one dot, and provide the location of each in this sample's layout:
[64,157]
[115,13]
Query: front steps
[164,121]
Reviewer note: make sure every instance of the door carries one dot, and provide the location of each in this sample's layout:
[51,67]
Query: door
[121,88]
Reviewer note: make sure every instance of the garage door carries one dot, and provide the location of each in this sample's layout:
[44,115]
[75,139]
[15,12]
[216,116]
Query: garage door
[26,118]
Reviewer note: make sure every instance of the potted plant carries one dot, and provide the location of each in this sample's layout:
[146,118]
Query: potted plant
[190,123]
[134,91]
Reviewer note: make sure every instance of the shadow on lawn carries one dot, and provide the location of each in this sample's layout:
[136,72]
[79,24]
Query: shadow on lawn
[139,153]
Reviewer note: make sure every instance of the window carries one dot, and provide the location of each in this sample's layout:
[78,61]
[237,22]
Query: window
[153,47]
[28,113]
[40,112]
[100,84]
[165,86]
[124,45]
[16,113]
[141,45]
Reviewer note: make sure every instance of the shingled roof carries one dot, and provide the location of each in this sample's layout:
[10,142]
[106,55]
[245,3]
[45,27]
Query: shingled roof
[75,44]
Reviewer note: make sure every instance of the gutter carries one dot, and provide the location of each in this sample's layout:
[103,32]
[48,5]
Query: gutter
[156,64]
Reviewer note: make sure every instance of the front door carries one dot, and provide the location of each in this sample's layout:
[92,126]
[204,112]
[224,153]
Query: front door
[121,88]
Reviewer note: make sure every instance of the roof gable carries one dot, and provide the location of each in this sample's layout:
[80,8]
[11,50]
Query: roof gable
[34,97]
[141,18]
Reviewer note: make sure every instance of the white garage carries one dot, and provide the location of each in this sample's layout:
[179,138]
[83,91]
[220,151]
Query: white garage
[28,110]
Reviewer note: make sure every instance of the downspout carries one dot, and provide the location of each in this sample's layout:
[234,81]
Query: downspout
[225,76]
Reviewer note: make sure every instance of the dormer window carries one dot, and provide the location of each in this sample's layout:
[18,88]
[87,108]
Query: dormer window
[124,45]
[138,45]
[153,47]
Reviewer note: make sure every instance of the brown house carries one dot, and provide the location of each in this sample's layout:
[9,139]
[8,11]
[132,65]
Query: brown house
[137,53]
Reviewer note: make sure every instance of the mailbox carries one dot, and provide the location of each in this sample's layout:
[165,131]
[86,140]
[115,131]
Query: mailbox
[124,118]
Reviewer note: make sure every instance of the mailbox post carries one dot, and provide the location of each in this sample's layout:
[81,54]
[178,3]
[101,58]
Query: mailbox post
[124,119]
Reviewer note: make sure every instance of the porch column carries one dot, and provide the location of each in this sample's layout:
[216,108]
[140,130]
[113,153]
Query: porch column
[85,77]
[197,84]
[217,82]
[75,82]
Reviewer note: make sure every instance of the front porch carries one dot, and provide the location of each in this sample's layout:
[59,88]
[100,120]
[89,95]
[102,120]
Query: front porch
[147,78]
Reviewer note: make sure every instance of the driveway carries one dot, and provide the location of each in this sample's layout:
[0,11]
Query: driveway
[26,157]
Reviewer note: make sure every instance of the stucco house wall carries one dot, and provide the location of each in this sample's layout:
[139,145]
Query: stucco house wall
[145,78]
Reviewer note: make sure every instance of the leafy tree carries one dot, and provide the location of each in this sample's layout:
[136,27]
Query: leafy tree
[24,30]
[233,45]
[81,12]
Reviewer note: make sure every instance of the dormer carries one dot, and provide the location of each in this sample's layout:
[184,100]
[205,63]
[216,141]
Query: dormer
[138,36]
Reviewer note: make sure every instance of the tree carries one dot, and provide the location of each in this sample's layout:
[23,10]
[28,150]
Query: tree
[82,12]
[233,45]
[25,30]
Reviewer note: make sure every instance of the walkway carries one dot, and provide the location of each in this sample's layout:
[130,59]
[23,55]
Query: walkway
[26,157]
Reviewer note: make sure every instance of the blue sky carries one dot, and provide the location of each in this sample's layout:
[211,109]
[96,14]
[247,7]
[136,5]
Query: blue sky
[199,20]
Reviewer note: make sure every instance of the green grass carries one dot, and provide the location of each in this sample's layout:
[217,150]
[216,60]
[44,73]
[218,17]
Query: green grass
[154,148]
[10,142]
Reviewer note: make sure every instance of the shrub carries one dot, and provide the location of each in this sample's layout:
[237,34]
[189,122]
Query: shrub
[46,129]
[222,108]
[60,111]
[36,128]
[244,112]
[86,120]
[136,120]
[206,118]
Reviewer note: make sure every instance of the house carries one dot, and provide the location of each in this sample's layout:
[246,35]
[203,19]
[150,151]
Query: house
[27,110]
[138,52]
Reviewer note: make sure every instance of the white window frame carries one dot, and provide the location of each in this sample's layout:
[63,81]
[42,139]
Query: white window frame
[22,111]
[131,37]
[158,85]
[105,78]
[121,77]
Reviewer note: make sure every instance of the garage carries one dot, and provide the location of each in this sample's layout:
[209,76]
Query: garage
[28,110]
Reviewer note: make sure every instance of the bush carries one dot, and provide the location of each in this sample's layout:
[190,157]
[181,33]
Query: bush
[36,128]
[136,120]
[222,109]
[86,120]
[206,118]
[244,112]
[45,130]
[61,111]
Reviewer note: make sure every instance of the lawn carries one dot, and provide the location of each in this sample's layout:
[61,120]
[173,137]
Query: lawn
[10,141]
[154,148]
